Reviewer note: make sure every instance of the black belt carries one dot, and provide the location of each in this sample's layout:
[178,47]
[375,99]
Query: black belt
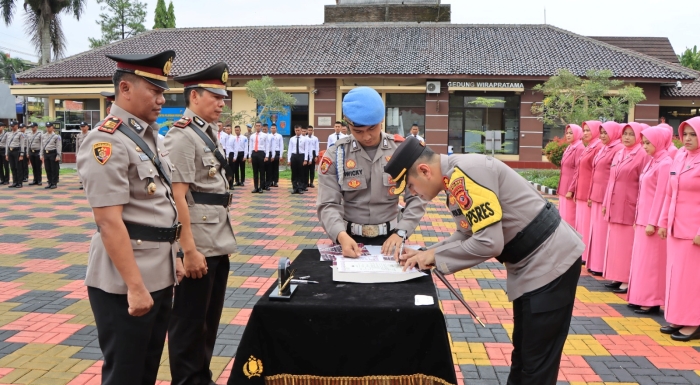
[34,151]
[532,236]
[14,149]
[203,198]
[50,151]
[152,234]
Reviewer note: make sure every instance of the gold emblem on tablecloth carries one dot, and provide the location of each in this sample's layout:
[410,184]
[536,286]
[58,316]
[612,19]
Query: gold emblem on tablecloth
[253,367]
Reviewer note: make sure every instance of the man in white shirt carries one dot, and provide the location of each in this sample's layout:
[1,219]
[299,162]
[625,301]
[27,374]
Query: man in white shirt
[237,150]
[344,129]
[414,132]
[313,152]
[332,138]
[297,158]
[257,145]
[276,150]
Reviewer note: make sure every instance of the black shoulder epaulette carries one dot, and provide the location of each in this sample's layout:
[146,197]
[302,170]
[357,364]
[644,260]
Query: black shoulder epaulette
[183,122]
[110,124]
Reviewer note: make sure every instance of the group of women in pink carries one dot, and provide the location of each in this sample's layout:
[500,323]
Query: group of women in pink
[633,197]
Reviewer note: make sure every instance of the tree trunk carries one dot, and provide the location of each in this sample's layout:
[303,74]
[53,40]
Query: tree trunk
[45,52]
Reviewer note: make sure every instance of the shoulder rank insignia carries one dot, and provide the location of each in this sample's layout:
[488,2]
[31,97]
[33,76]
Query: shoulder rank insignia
[183,122]
[110,125]
[199,121]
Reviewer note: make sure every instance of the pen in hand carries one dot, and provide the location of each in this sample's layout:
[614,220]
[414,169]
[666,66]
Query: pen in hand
[403,242]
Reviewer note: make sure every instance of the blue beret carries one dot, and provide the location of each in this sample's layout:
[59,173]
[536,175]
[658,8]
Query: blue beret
[363,106]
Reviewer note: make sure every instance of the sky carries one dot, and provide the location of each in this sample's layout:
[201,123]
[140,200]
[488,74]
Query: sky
[675,19]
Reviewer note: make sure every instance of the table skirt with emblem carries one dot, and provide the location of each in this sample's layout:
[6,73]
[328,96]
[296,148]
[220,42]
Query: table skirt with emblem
[343,333]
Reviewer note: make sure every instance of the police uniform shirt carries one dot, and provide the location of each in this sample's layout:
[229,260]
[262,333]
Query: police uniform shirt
[490,203]
[332,138]
[50,142]
[115,172]
[192,160]
[276,144]
[237,143]
[34,140]
[79,139]
[262,142]
[356,189]
[16,140]
[298,145]
[4,138]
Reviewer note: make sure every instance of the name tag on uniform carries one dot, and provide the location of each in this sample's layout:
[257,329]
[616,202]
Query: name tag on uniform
[207,149]
[143,157]
[673,173]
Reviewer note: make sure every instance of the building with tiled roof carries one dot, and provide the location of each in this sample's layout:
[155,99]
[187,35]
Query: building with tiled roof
[427,72]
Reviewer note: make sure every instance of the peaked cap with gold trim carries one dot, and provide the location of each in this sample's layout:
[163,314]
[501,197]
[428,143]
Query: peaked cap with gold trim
[405,155]
[155,69]
[212,79]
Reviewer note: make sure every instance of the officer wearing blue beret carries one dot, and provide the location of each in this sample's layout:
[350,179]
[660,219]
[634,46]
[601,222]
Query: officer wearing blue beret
[356,201]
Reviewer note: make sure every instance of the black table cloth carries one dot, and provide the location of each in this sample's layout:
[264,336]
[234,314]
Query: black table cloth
[345,333]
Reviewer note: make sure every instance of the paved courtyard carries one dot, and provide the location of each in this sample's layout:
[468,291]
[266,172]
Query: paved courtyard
[48,335]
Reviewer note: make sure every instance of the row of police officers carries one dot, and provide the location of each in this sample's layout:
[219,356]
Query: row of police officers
[19,148]
[161,209]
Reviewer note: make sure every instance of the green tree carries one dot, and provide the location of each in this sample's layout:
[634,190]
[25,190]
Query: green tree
[10,66]
[171,15]
[161,18]
[690,58]
[570,99]
[122,19]
[270,99]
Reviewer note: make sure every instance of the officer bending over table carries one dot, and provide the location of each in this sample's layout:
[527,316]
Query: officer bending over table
[500,215]
[356,200]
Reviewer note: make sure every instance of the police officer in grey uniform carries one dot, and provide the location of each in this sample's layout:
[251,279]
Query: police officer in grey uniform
[51,155]
[200,190]
[15,151]
[34,151]
[131,266]
[356,200]
[500,215]
[79,139]
[4,165]
[25,161]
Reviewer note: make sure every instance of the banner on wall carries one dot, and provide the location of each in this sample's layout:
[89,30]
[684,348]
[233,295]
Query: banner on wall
[282,120]
[167,117]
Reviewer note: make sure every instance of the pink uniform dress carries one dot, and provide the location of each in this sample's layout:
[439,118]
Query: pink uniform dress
[567,182]
[583,178]
[681,217]
[647,284]
[598,232]
[621,205]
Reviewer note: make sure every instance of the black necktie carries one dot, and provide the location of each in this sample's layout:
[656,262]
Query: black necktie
[337,136]
[297,145]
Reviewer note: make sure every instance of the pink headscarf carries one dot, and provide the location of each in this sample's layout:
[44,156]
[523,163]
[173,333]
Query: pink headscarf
[594,126]
[693,123]
[614,131]
[637,128]
[578,133]
[659,137]
[668,127]
[672,150]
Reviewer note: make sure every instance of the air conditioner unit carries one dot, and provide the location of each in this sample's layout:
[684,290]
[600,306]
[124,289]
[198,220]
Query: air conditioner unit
[432,87]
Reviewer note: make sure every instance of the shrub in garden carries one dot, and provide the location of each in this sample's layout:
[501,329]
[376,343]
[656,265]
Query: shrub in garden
[554,150]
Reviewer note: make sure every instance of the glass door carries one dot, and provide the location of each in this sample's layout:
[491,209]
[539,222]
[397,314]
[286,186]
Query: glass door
[473,127]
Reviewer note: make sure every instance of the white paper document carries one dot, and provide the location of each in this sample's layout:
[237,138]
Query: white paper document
[424,300]
[375,268]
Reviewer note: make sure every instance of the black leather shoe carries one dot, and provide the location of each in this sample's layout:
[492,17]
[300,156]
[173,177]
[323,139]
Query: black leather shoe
[668,329]
[267,188]
[255,191]
[53,186]
[39,184]
[25,180]
[312,185]
[620,291]
[12,186]
[6,182]
[48,187]
[19,185]
[81,187]
[678,336]
[613,285]
[596,273]
[33,183]
[651,310]
[296,192]
[633,306]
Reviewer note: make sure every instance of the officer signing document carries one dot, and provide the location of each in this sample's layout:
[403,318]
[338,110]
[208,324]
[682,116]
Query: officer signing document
[500,215]
[356,201]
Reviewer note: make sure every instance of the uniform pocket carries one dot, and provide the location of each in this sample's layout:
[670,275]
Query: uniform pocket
[356,183]
[209,161]
[203,216]
[147,173]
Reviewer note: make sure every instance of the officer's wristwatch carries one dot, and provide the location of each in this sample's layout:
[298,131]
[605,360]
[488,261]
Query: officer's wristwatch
[401,233]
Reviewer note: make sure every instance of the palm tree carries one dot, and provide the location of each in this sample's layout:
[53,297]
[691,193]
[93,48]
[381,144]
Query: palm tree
[43,23]
[10,66]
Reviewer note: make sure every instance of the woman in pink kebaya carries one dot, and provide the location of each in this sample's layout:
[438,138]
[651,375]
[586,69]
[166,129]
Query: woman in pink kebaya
[672,150]
[583,178]
[610,133]
[569,165]
[620,205]
[647,285]
[680,221]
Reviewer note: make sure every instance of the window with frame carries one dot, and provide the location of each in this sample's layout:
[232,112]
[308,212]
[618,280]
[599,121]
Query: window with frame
[403,111]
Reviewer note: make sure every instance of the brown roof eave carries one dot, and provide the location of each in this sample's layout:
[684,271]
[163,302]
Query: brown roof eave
[49,81]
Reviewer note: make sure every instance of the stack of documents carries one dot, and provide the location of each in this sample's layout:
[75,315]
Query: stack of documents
[372,267]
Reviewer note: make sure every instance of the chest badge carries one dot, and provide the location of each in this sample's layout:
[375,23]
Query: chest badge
[354,183]
[350,163]
[102,152]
